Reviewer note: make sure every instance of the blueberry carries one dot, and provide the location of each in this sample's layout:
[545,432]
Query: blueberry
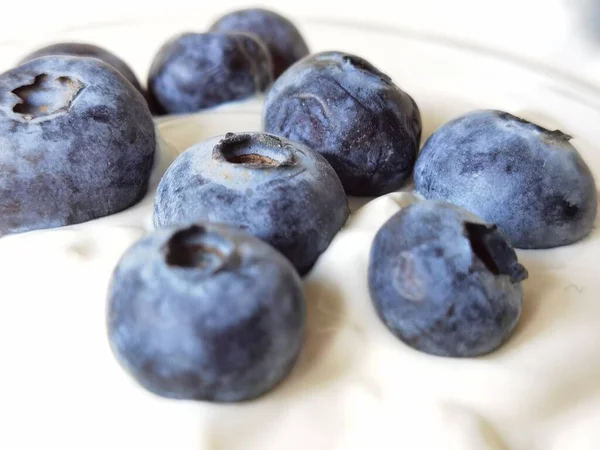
[196,71]
[344,108]
[284,41]
[77,142]
[90,51]
[445,282]
[530,181]
[93,51]
[284,193]
[205,312]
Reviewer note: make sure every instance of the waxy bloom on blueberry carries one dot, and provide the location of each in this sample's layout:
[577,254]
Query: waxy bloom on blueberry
[77,142]
[344,108]
[282,38]
[206,312]
[444,281]
[529,181]
[196,71]
[278,190]
[90,51]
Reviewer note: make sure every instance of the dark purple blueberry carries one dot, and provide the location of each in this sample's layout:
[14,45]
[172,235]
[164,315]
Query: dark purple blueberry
[205,312]
[280,191]
[284,41]
[445,282]
[530,181]
[197,71]
[344,108]
[77,142]
[90,51]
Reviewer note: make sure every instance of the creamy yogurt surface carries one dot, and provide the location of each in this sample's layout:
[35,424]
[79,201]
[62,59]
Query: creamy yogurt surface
[355,386]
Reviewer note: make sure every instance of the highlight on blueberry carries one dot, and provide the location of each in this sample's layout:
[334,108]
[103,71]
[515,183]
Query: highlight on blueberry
[77,142]
[279,191]
[528,180]
[205,312]
[445,282]
[195,71]
[282,38]
[344,108]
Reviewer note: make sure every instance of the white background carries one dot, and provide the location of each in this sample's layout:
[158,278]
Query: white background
[559,33]
[70,409]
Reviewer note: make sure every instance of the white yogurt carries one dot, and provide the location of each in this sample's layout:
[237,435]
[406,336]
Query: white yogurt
[355,386]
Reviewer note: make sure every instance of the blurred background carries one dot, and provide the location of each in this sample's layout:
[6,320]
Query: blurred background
[562,34]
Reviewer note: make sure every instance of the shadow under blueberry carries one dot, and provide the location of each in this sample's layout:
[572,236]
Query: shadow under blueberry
[534,291]
[536,287]
[355,203]
[325,316]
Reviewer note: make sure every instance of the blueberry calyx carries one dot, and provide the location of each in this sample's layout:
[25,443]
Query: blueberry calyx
[548,135]
[365,66]
[46,96]
[556,136]
[254,151]
[490,247]
[196,248]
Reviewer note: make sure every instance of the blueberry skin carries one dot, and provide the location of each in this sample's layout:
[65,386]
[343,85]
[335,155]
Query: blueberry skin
[205,312]
[284,41]
[279,191]
[77,142]
[530,181]
[93,51]
[196,71]
[90,51]
[341,106]
[445,282]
